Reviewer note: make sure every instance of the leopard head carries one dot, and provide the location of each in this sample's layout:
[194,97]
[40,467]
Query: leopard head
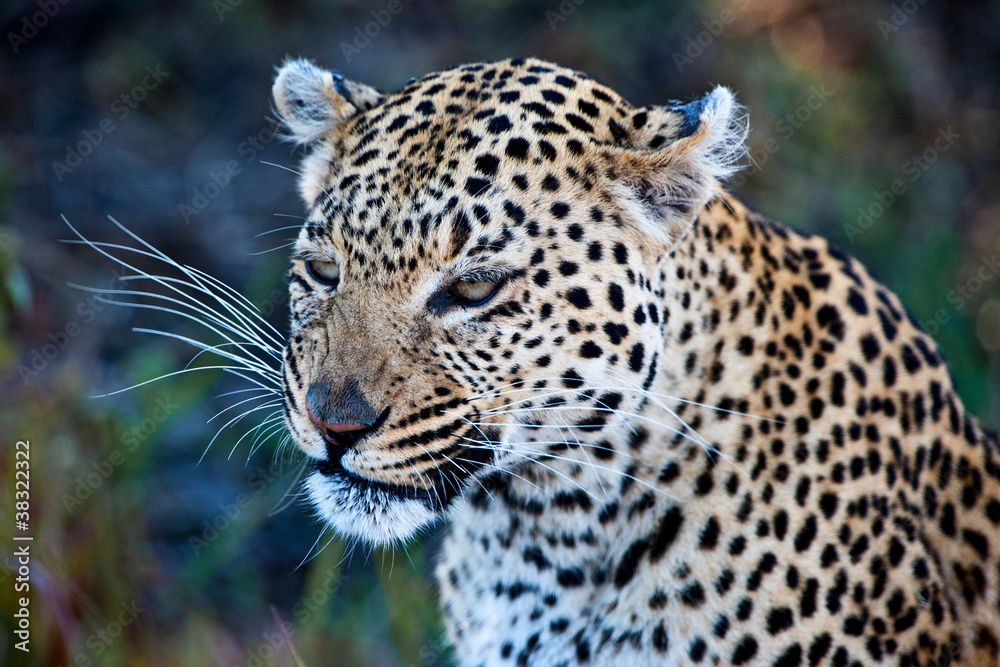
[478,270]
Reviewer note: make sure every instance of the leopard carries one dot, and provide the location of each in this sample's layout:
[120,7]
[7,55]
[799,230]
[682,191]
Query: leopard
[652,426]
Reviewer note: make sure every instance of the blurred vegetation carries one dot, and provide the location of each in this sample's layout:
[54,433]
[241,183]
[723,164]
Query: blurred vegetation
[142,557]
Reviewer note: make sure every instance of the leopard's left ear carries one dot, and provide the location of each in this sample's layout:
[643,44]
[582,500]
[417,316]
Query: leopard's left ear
[313,101]
[676,156]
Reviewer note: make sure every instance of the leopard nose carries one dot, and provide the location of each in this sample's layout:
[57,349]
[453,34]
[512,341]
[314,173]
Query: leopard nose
[339,410]
[327,427]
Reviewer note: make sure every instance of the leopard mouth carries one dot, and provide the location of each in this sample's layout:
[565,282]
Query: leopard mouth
[378,512]
[449,477]
[333,467]
[338,442]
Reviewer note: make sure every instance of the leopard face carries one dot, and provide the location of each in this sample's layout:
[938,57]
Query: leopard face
[478,244]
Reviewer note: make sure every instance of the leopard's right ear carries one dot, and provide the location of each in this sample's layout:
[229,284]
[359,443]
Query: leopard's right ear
[312,101]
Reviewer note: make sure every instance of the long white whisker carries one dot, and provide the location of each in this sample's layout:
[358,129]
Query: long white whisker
[264,252]
[193,274]
[525,453]
[257,397]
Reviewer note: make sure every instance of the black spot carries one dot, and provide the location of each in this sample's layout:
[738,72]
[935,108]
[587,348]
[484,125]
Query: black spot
[553,96]
[616,297]
[618,133]
[828,504]
[709,534]
[635,357]
[570,578]
[630,562]
[460,233]
[665,533]
[805,536]
[993,511]
[571,379]
[517,149]
[977,541]
[820,647]
[807,603]
[778,620]
[615,332]
[745,345]
[366,157]
[498,124]
[697,648]
[476,186]
[725,581]
[870,347]
[590,350]
[744,651]
[578,297]
[487,164]
[670,472]
[660,640]
[692,595]
[568,268]
[857,302]
[792,657]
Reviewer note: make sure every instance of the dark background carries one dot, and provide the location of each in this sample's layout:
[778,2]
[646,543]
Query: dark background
[143,557]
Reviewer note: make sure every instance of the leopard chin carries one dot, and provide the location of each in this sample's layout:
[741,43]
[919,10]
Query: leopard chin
[371,512]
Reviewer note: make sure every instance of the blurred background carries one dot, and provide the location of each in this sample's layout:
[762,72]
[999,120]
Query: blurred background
[875,124]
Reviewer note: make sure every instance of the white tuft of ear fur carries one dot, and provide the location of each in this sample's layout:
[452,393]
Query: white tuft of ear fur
[720,145]
[312,101]
[676,161]
[305,97]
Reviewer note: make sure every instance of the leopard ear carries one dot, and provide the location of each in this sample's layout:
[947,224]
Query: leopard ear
[677,155]
[312,101]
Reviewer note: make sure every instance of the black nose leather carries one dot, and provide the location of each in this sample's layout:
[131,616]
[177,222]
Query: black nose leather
[339,411]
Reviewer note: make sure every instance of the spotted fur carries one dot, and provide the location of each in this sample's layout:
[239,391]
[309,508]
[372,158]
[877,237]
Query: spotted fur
[675,433]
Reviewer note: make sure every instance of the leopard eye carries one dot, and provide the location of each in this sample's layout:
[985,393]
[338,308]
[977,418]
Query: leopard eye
[327,273]
[473,292]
